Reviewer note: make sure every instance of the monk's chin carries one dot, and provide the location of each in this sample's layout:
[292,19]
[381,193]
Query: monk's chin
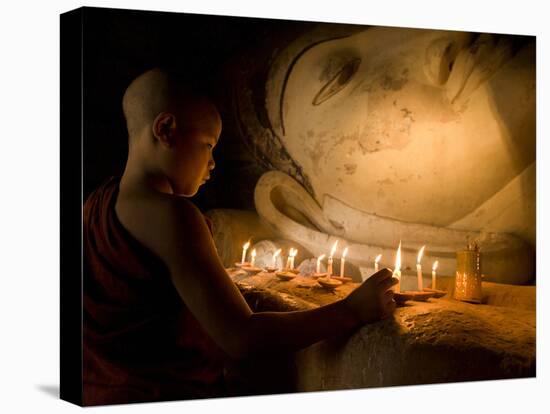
[187,192]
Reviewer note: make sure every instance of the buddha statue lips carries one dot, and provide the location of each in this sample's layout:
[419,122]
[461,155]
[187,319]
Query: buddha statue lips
[426,136]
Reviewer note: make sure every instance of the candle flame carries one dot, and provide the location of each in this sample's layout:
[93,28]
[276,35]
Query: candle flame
[434,267]
[294,252]
[246,245]
[320,258]
[253,253]
[398,259]
[277,253]
[377,260]
[344,254]
[333,248]
[420,252]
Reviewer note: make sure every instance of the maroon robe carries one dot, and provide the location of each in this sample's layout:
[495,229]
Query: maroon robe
[141,343]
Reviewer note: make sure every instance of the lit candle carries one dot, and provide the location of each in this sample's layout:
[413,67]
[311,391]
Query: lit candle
[329,265]
[245,248]
[318,269]
[293,254]
[376,261]
[434,268]
[253,254]
[288,258]
[419,268]
[343,261]
[397,270]
[277,253]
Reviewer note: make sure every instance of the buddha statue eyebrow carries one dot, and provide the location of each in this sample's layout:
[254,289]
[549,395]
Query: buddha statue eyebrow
[291,67]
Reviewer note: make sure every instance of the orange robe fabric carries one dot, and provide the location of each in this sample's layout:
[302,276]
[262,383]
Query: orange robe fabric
[140,342]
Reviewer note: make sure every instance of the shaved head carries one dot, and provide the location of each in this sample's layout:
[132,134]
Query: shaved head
[172,130]
[151,93]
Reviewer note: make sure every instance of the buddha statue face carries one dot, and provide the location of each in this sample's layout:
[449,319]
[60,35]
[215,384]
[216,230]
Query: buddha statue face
[417,125]
[380,134]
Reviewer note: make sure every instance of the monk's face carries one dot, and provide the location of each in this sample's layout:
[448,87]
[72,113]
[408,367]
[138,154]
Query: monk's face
[191,159]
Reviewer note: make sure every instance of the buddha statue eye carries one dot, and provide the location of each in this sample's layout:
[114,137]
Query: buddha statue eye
[337,82]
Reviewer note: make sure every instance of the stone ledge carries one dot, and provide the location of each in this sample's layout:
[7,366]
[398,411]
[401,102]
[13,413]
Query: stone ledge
[442,340]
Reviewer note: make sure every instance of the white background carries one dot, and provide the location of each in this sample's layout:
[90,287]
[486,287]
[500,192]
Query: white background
[29,212]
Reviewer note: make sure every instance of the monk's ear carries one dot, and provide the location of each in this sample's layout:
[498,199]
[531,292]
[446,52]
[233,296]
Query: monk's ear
[164,127]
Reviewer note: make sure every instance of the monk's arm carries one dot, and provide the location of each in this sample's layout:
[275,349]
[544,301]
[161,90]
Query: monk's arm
[216,302]
[290,331]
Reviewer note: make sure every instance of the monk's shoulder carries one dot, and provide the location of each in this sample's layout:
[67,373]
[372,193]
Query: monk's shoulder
[158,221]
[181,211]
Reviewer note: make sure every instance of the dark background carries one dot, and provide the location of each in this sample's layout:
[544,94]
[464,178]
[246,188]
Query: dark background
[119,45]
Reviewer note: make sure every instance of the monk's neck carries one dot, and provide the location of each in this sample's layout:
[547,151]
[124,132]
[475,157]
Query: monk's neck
[138,177]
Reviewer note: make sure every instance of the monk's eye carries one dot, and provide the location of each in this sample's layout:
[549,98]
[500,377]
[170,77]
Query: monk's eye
[210,145]
[338,82]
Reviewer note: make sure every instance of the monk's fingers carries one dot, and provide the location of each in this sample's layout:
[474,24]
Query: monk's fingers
[388,283]
[388,295]
[381,275]
[387,299]
[389,308]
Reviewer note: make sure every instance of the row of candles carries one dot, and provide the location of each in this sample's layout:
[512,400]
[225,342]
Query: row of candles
[396,272]
[397,269]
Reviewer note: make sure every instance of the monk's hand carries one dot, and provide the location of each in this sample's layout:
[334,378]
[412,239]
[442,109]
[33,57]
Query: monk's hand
[373,299]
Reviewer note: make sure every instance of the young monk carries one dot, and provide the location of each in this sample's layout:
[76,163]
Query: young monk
[160,312]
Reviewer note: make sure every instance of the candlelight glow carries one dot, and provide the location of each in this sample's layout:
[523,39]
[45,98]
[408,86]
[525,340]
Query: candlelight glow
[343,261]
[420,252]
[318,267]
[277,253]
[398,259]
[434,276]
[253,257]
[397,270]
[333,248]
[290,261]
[376,261]
[419,269]
[329,264]
[245,248]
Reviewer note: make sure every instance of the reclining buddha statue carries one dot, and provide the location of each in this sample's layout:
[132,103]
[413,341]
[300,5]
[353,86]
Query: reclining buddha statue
[376,135]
